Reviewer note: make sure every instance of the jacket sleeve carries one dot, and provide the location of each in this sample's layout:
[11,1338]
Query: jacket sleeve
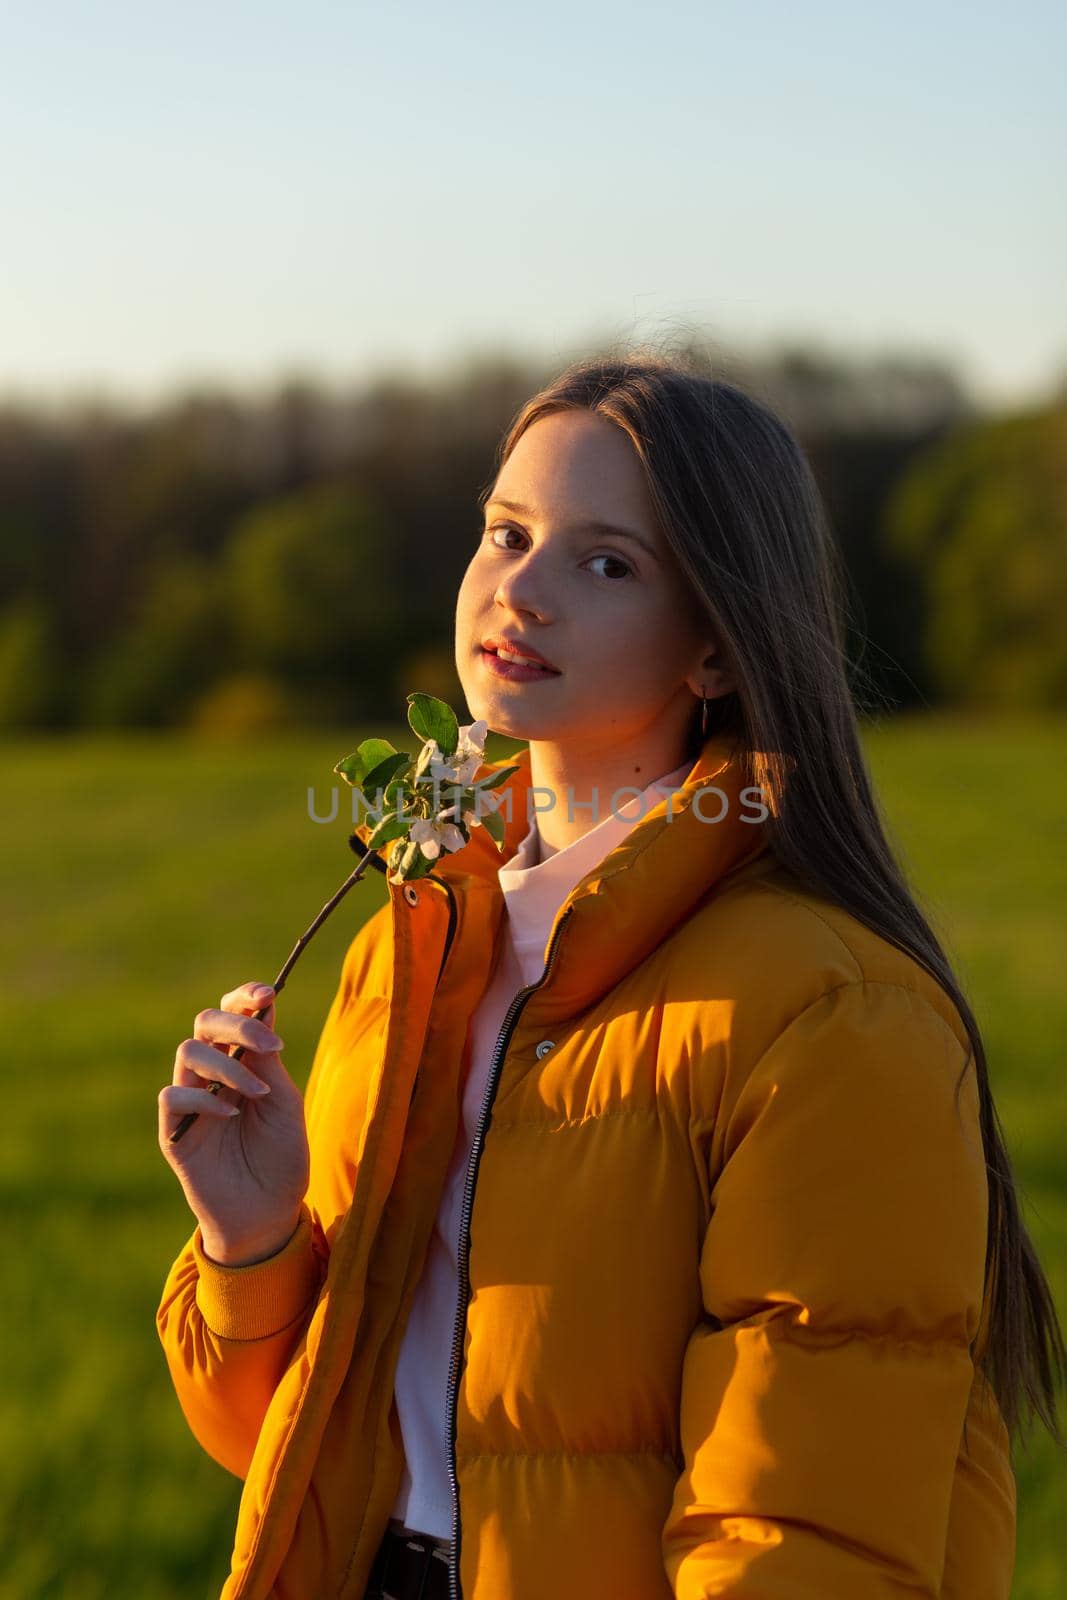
[229,1333]
[824,1391]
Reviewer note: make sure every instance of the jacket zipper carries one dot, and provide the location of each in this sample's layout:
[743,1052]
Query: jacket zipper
[463,1254]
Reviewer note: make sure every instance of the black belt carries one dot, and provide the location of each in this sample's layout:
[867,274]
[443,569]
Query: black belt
[409,1567]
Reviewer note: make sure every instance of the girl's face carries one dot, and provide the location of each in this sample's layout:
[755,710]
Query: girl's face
[605,605]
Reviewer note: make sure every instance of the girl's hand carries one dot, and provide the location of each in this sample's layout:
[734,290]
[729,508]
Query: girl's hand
[244,1164]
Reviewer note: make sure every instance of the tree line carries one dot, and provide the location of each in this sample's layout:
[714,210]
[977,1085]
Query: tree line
[226,562]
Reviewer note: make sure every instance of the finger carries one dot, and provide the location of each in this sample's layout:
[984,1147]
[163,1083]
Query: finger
[262,1013]
[196,1062]
[184,1076]
[251,999]
[175,1102]
[228,1028]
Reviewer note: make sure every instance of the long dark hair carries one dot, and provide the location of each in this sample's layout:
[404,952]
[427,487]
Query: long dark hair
[739,507]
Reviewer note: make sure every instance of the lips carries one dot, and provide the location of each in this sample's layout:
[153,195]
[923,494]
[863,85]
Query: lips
[498,642]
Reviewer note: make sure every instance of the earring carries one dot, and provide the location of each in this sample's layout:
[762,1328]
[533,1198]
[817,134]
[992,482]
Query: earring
[703,713]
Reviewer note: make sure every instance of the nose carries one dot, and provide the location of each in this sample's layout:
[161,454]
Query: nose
[525,588]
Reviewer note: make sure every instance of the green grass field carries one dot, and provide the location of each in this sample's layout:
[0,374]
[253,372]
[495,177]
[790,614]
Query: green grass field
[147,875]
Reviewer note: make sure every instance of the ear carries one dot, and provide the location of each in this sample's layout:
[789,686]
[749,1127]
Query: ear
[711,677]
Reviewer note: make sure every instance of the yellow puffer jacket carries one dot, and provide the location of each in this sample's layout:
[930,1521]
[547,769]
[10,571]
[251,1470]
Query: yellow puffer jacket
[722,1264]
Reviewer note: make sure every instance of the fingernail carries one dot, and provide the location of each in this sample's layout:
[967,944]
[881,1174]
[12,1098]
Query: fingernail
[260,1088]
[261,991]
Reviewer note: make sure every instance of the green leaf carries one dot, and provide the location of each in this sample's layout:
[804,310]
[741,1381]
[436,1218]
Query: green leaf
[381,775]
[434,719]
[422,866]
[449,794]
[496,779]
[354,768]
[349,768]
[398,786]
[493,823]
[408,861]
[375,750]
[390,827]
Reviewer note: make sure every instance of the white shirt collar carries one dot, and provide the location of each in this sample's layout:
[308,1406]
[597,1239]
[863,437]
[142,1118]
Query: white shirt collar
[534,890]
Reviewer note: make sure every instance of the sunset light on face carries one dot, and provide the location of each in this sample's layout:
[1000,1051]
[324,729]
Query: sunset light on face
[590,601]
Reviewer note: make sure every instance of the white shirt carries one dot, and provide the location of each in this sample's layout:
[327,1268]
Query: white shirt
[534,889]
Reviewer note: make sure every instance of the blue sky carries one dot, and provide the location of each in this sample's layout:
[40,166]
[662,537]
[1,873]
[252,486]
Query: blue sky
[232,192]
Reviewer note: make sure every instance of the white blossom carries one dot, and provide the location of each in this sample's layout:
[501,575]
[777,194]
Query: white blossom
[433,836]
[469,755]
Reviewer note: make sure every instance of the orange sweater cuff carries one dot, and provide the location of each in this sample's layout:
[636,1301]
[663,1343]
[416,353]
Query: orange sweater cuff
[256,1301]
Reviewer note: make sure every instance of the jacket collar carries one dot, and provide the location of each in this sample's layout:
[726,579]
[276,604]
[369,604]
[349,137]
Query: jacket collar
[643,888]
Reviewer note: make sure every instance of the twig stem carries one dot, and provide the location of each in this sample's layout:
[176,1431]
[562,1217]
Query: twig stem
[279,983]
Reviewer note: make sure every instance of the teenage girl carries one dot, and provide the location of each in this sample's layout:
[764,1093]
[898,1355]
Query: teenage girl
[645,1229]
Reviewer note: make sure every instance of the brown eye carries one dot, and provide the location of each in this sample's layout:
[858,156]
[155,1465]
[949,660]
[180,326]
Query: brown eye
[502,527]
[627,569]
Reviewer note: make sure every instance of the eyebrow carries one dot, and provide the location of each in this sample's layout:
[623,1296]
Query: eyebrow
[603,530]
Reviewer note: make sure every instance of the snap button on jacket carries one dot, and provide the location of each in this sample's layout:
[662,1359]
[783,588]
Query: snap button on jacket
[723,1289]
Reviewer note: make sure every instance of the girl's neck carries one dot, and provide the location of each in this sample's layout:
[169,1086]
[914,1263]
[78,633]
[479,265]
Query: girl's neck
[574,793]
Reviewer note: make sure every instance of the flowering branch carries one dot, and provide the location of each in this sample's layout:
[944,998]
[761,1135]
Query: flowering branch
[411,817]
